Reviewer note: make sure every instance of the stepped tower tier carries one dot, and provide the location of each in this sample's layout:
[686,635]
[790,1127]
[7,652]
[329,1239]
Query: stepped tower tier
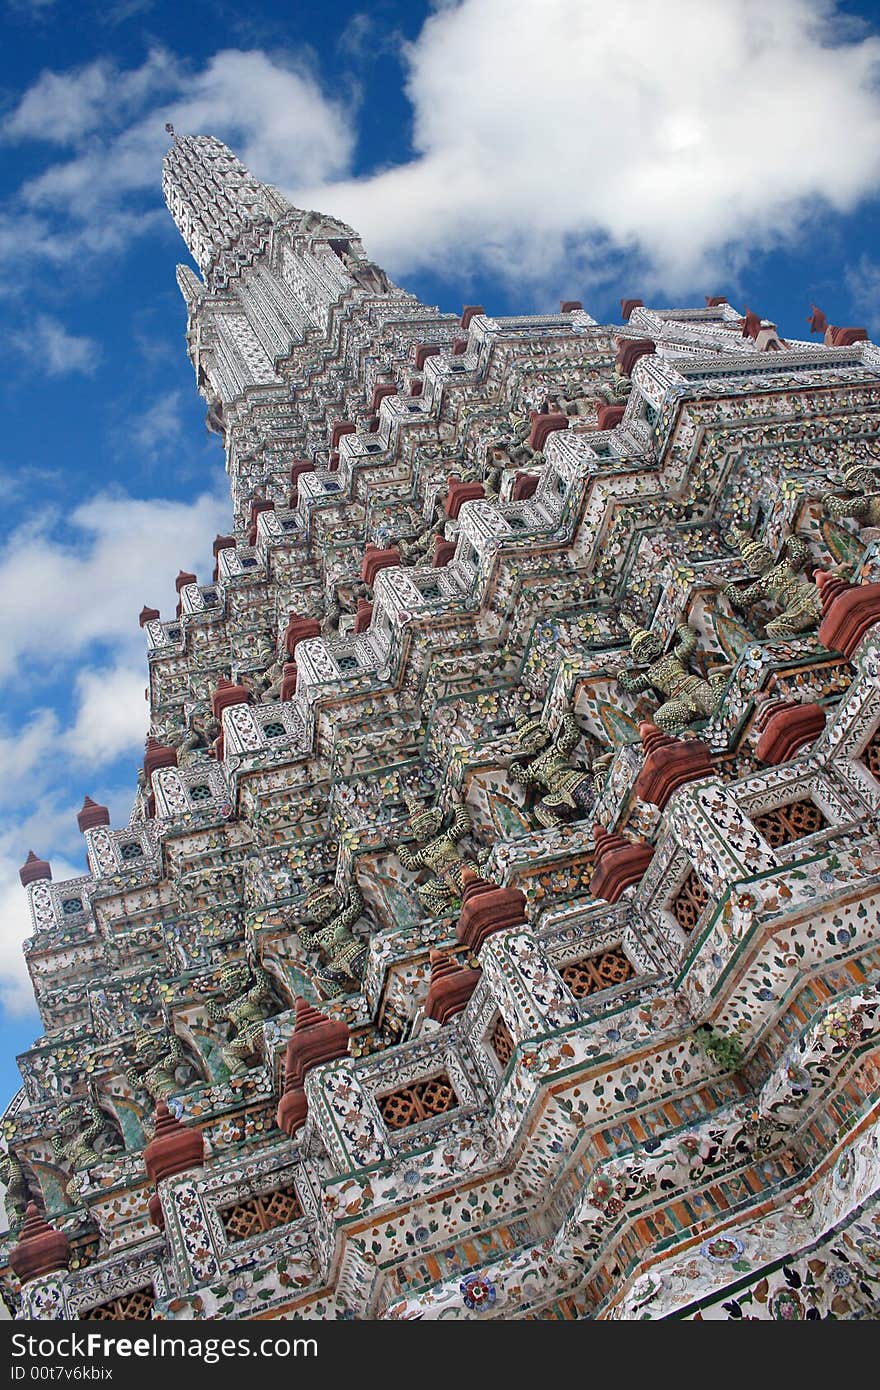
[273,308]
[495,930]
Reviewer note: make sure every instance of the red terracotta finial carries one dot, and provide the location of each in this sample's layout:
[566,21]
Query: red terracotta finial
[669,764]
[156,756]
[174,1147]
[786,727]
[849,611]
[315,1039]
[443,552]
[619,863]
[375,559]
[457,493]
[545,425]
[288,682]
[830,586]
[33,869]
[630,350]
[652,737]
[184,577]
[297,630]
[147,615]
[486,909]
[817,320]
[442,965]
[92,815]
[450,989]
[608,416]
[40,1249]
[305,1015]
[226,693]
[364,615]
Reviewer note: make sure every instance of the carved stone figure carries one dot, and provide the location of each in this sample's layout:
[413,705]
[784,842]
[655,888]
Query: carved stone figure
[780,581]
[158,1063]
[343,599]
[243,1003]
[437,852]
[418,545]
[85,1136]
[688,697]
[616,391]
[514,443]
[326,921]
[17,1195]
[260,667]
[196,743]
[862,499]
[546,765]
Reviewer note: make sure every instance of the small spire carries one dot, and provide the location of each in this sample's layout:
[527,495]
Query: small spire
[33,869]
[169,128]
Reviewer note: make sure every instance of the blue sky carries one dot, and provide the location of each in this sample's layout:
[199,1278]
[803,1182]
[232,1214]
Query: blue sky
[506,152]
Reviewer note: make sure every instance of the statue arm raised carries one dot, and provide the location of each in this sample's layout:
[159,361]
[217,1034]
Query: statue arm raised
[686,642]
[797,551]
[461,821]
[568,735]
[522,773]
[634,682]
[352,910]
[409,859]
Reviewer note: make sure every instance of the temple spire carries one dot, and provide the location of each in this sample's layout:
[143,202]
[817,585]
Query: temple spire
[213,198]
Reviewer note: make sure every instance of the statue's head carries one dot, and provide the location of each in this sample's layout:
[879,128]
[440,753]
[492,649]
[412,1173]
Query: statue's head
[644,644]
[68,1118]
[145,1045]
[860,478]
[758,556]
[531,734]
[321,904]
[425,822]
[233,976]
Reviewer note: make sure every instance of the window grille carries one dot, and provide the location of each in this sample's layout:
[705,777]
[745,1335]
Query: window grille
[135,1306]
[420,1101]
[131,850]
[689,901]
[202,792]
[274,730]
[786,824]
[263,1213]
[501,1042]
[602,970]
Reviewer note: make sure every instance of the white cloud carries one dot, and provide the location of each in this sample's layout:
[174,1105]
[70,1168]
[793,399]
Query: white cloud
[47,345]
[546,140]
[58,596]
[22,751]
[671,131]
[62,107]
[158,425]
[271,108]
[863,283]
[112,717]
